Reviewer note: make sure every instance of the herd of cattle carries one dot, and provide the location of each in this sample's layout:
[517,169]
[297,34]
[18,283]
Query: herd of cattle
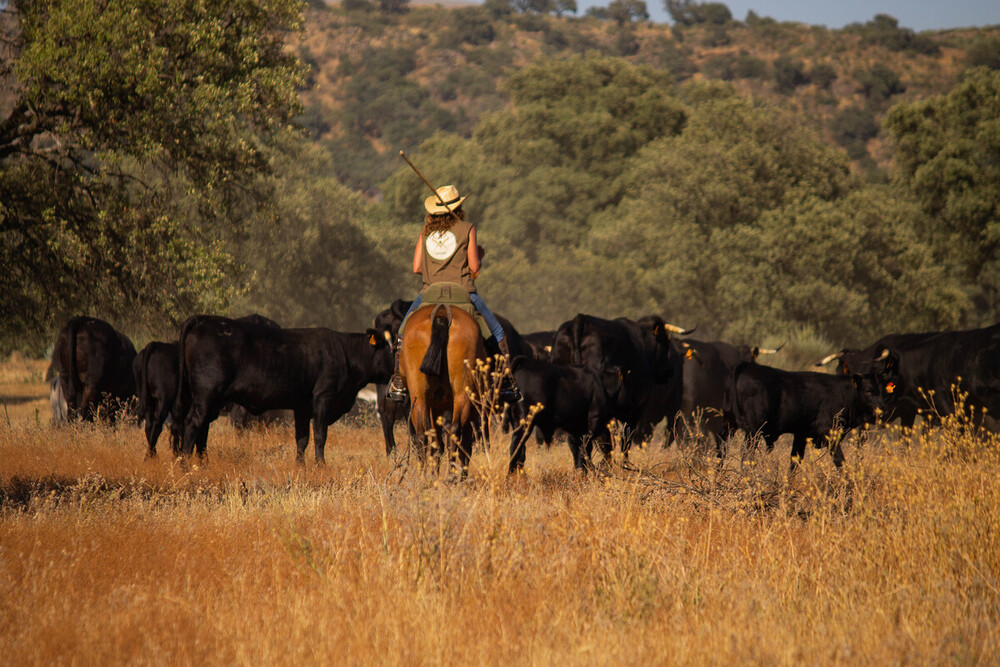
[585,374]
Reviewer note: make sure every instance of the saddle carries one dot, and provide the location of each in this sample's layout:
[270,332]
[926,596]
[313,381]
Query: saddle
[453,295]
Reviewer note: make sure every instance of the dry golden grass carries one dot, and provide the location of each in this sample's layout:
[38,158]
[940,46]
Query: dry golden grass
[106,557]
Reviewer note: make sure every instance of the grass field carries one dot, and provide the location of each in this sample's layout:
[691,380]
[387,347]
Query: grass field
[246,558]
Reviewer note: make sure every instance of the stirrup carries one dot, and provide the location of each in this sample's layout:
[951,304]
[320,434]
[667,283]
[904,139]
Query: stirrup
[508,391]
[397,390]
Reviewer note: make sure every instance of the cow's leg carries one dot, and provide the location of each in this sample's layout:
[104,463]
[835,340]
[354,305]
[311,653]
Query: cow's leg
[192,428]
[838,452]
[518,438]
[302,434]
[320,424]
[89,402]
[155,416]
[176,432]
[579,451]
[798,451]
[467,436]
[387,415]
[153,428]
[517,456]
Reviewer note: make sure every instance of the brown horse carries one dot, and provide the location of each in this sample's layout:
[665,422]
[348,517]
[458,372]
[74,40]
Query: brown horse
[438,342]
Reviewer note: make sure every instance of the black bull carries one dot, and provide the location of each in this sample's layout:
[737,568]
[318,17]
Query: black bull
[93,364]
[641,350]
[155,369]
[694,406]
[932,370]
[905,405]
[769,402]
[316,373]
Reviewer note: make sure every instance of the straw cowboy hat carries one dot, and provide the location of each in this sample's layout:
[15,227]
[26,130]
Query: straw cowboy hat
[446,194]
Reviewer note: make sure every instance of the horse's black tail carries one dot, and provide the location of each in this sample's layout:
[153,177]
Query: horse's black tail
[435,361]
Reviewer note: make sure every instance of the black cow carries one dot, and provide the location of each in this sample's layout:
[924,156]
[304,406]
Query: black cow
[850,361]
[93,363]
[770,402]
[389,321]
[706,369]
[641,350]
[575,399]
[928,372]
[155,371]
[316,373]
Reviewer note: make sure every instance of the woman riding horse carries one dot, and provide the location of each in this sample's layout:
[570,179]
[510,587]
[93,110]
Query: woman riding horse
[447,251]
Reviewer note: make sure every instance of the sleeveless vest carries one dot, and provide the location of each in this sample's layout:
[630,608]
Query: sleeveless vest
[446,256]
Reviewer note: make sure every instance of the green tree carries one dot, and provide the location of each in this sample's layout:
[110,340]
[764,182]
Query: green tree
[138,131]
[789,74]
[733,162]
[879,82]
[538,171]
[852,128]
[686,12]
[624,12]
[984,52]
[847,269]
[314,260]
[947,151]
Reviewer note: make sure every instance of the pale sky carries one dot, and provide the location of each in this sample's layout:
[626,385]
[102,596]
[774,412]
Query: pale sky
[914,14]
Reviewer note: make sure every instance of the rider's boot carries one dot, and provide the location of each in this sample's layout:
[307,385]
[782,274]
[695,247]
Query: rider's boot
[397,385]
[508,387]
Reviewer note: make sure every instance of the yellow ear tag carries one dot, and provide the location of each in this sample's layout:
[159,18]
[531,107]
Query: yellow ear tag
[371,339]
[689,354]
[889,388]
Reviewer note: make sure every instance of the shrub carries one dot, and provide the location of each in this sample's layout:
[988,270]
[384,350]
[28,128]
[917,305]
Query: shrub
[823,74]
[789,74]
[879,82]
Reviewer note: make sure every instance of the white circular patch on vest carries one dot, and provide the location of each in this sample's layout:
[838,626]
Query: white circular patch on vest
[441,245]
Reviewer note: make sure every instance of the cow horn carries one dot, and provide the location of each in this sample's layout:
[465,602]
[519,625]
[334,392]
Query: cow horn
[388,336]
[884,355]
[827,359]
[772,350]
[673,328]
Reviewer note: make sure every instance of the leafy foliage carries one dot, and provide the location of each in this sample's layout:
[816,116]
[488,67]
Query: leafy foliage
[884,30]
[686,12]
[137,135]
[852,128]
[310,262]
[948,154]
[879,82]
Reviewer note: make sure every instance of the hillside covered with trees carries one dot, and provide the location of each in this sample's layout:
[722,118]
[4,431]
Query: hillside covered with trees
[765,180]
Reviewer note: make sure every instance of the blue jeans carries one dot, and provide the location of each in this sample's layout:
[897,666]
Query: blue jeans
[479,304]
